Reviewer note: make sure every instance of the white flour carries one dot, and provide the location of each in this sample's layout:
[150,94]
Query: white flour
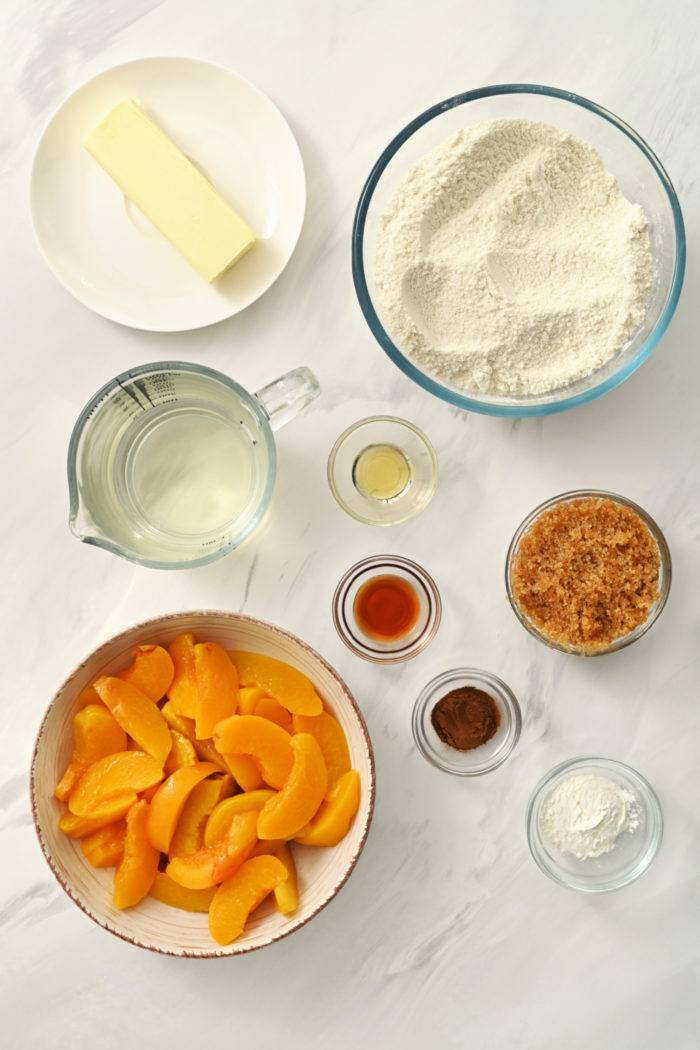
[508,261]
[585,815]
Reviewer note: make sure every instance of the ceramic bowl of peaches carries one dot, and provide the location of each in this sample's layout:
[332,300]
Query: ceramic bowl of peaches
[202,784]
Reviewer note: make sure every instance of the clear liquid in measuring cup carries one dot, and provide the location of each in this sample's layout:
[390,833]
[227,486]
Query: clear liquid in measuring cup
[177,470]
[186,470]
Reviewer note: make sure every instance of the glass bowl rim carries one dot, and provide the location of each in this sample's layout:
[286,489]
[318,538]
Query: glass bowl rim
[428,382]
[647,795]
[666,573]
[509,702]
[399,421]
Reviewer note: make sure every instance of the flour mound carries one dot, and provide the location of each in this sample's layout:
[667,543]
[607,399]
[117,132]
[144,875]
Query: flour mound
[585,815]
[508,261]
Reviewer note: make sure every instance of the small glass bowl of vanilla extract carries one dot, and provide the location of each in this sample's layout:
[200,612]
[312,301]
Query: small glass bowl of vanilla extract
[386,609]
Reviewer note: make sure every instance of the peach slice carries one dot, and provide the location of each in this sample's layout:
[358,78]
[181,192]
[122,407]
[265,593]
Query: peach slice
[283,816]
[331,738]
[168,892]
[88,696]
[268,707]
[240,894]
[213,864]
[335,815]
[287,892]
[290,687]
[248,697]
[152,671]
[105,848]
[182,753]
[96,733]
[188,836]
[217,687]
[183,688]
[134,876]
[137,715]
[221,816]
[169,801]
[266,742]
[180,723]
[77,827]
[112,781]
[245,771]
[268,846]
[204,749]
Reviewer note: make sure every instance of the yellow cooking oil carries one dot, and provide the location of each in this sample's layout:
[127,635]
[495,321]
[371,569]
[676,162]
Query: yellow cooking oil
[381,472]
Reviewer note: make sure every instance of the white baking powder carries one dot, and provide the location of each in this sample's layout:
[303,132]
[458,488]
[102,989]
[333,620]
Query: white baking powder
[508,261]
[585,815]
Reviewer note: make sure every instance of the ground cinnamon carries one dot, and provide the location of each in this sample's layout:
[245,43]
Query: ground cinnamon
[465,718]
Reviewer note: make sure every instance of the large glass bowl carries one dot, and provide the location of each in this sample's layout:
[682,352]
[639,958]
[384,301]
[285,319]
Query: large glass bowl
[641,179]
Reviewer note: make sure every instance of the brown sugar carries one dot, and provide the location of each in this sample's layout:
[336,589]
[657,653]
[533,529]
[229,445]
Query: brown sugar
[586,572]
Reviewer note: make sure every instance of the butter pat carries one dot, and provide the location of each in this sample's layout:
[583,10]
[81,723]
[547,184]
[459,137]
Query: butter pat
[160,180]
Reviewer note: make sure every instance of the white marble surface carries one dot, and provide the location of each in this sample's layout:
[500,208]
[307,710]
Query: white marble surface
[447,934]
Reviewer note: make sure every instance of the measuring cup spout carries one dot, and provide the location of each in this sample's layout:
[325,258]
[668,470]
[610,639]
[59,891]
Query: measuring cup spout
[284,398]
[82,527]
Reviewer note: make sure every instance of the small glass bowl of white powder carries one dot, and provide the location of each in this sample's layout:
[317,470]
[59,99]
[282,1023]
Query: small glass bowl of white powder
[594,824]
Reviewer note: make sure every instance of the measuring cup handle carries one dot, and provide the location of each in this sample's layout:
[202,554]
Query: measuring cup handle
[285,397]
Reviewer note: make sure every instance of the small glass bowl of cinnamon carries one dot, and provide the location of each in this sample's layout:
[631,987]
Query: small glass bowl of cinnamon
[588,572]
[466,722]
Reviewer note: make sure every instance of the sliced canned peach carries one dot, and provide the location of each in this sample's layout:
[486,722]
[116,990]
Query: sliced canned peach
[283,816]
[287,892]
[113,780]
[169,801]
[88,696]
[245,771]
[331,738]
[221,816]
[288,685]
[168,892]
[217,687]
[151,671]
[77,827]
[137,715]
[188,836]
[213,864]
[268,707]
[204,748]
[139,865]
[182,753]
[105,848]
[240,894]
[266,742]
[335,815]
[248,697]
[183,688]
[96,733]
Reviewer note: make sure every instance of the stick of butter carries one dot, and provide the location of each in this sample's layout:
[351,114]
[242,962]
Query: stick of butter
[160,180]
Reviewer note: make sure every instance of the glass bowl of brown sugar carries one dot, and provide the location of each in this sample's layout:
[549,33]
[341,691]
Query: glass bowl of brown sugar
[466,721]
[588,572]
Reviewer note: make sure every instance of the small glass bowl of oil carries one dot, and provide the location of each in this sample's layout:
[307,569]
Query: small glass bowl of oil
[386,608]
[382,470]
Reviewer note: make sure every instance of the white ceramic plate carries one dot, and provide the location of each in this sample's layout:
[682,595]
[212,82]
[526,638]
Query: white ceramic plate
[102,248]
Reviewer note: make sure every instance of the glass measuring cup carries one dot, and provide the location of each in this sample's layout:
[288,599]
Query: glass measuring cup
[172,465]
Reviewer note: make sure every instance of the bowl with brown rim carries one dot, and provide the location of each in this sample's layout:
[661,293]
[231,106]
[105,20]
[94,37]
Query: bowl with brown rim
[322,871]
